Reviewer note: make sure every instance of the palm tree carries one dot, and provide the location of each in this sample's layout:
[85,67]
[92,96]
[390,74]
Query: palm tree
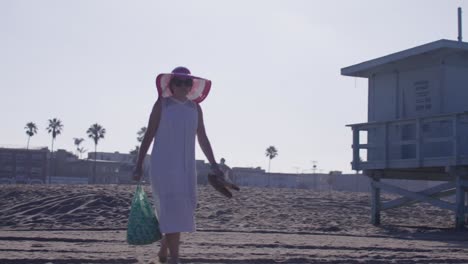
[81,151]
[271,152]
[55,127]
[134,152]
[141,134]
[31,130]
[77,142]
[96,132]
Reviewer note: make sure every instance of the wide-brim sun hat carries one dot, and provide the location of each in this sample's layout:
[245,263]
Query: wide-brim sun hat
[200,88]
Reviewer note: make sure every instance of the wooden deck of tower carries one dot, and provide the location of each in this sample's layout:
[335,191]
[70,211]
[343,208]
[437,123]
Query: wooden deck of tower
[417,125]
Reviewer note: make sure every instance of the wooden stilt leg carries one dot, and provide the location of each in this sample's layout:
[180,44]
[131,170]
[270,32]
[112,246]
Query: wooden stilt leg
[459,204]
[375,201]
[466,206]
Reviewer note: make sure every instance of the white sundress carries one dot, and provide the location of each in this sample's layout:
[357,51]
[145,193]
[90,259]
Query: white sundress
[173,169]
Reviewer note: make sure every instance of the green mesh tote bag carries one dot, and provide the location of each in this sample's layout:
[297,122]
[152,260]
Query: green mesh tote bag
[143,226]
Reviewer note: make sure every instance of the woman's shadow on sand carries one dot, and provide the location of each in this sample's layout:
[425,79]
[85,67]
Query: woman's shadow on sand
[459,238]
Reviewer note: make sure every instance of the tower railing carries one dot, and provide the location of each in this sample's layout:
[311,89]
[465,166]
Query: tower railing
[428,141]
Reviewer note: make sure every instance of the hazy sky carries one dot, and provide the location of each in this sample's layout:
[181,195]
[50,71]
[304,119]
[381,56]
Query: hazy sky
[275,67]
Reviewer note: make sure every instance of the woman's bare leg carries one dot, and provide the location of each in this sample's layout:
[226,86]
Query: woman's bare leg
[163,250]
[173,242]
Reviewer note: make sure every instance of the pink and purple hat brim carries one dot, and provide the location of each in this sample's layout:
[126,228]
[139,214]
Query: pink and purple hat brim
[200,89]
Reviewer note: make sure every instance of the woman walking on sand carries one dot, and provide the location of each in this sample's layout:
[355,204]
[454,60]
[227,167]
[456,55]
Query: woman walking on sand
[175,121]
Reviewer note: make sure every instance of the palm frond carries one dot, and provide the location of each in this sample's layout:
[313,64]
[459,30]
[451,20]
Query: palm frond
[55,127]
[141,134]
[271,152]
[96,132]
[78,141]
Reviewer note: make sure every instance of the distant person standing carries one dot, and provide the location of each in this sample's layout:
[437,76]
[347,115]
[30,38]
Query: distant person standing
[175,121]
[227,171]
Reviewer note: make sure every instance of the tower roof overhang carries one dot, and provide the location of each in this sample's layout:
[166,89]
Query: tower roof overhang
[432,49]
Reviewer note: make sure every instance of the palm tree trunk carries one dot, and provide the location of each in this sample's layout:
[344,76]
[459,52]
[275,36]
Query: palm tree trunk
[27,147]
[51,159]
[95,158]
[269,162]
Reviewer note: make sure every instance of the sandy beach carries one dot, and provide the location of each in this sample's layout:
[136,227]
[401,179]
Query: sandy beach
[87,224]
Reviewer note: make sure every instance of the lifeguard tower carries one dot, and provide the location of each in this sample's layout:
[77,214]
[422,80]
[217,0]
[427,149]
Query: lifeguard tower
[417,125]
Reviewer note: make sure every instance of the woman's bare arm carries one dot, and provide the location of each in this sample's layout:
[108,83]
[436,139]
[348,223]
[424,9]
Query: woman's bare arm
[204,142]
[152,127]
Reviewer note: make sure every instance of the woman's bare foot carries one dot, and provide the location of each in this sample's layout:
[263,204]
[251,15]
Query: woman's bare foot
[172,240]
[162,259]
[174,261]
[163,251]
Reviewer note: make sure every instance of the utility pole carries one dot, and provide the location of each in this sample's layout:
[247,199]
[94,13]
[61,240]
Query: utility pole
[314,166]
[297,169]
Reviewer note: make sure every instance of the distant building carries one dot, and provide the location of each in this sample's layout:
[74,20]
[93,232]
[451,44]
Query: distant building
[112,156]
[20,165]
[115,169]
[259,178]
[115,166]
[202,171]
